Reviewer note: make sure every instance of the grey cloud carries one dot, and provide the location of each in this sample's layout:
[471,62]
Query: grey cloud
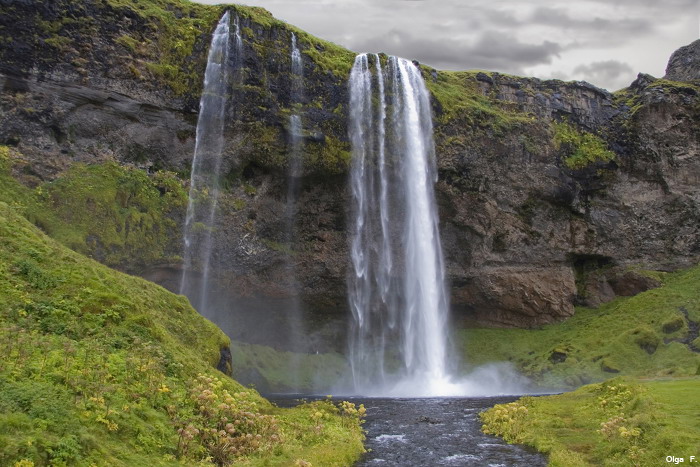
[608,71]
[493,51]
[502,18]
[560,18]
[666,4]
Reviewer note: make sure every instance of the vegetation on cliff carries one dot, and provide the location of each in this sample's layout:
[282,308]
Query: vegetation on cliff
[651,334]
[173,56]
[631,100]
[459,96]
[619,422]
[118,215]
[580,148]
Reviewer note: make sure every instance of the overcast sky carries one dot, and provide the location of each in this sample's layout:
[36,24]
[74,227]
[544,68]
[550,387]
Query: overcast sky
[605,42]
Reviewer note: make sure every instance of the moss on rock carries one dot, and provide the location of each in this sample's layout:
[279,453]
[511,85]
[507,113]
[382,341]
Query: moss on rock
[580,149]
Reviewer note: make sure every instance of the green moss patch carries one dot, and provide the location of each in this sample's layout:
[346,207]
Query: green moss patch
[459,97]
[118,215]
[170,54]
[635,100]
[580,149]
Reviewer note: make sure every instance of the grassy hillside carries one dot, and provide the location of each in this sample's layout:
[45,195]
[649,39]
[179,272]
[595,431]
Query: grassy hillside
[101,368]
[646,335]
[619,422]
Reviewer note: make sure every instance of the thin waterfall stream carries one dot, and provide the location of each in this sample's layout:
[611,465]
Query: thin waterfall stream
[294,310]
[223,60]
[206,164]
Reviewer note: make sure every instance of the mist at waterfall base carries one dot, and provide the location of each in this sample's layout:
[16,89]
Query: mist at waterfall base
[396,286]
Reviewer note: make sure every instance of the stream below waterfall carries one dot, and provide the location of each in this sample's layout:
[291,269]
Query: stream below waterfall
[433,432]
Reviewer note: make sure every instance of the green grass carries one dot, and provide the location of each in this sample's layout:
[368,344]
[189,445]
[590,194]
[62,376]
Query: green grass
[595,343]
[102,368]
[619,422]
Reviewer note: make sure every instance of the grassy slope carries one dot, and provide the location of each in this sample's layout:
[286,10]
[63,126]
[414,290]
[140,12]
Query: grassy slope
[619,422]
[100,367]
[599,343]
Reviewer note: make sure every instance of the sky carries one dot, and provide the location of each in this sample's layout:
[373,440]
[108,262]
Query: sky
[604,42]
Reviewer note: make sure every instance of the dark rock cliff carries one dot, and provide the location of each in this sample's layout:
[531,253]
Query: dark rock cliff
[533,221]
[684,64]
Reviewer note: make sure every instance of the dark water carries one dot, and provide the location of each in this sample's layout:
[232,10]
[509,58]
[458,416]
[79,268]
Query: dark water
[433,432]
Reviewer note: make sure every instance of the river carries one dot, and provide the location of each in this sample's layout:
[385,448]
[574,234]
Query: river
[434,432]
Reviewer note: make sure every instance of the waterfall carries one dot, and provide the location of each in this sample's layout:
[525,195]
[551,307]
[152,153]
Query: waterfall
[294,171]
[295,125]
[396,284]
[206,164]
[238,43]
[297,68]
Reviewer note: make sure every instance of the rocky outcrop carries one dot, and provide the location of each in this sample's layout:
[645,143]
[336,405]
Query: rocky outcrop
[510,204]
[684,64]
[525,235]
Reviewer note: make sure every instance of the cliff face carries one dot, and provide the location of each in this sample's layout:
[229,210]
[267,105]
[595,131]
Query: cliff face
[549,192]
[684,64]
[530,236]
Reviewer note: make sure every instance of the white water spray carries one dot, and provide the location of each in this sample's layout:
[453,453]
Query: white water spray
[294,312]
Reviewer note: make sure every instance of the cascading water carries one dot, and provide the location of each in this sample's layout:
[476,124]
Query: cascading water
[206,164]
[294,309]
[295,124]
[297,68]
[396,287]
[238,44]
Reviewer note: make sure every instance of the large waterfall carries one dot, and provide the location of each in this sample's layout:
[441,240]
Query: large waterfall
[200,221]
[396,287]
